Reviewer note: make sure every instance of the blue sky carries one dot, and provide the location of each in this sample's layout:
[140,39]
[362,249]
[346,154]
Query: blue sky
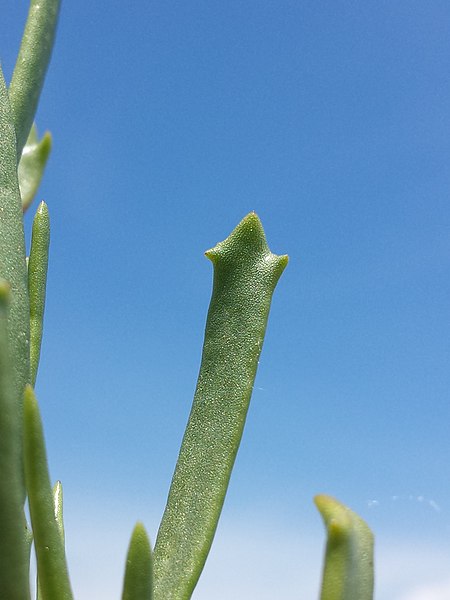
[171,121]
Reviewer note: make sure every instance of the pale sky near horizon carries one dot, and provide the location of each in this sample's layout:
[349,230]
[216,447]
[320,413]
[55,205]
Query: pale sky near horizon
[171,121]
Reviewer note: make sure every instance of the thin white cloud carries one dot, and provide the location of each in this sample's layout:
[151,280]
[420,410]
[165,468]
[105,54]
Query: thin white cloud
[255,559]
[260,562]
[412,570]
[437,591]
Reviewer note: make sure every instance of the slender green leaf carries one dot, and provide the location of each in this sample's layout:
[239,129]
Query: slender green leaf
[12,254]
[245,276]
[28,541]
[51,561]
[37,281]
[32,164]
[58,508]
[31,65]
[348,568]
[138,580]
[58,512]
[14,558]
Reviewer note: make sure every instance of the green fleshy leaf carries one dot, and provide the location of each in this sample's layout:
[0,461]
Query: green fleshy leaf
[14,556]
[31,66]
[348,568]
[58,512]
[37,281]
[245,276]
[58,508]
[138,582]
[32,164]
[51,561]
[12,256]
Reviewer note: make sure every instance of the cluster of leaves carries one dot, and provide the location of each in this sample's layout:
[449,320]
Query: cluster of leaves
[245,275]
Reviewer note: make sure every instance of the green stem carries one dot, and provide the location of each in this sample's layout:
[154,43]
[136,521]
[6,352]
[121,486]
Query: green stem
[245,276]
[138,580]
[14,550]
[37,280]
[31,66]
[348,568]
[51,561]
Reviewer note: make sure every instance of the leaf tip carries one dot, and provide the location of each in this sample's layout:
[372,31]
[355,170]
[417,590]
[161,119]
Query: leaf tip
[42,209]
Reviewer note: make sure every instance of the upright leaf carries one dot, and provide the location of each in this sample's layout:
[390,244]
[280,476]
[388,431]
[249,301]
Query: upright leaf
[245,276]
[37,281]
[31,66]
[138,582]
[58,511]
[12,253]
[49,544]
[14,550]
[58,508]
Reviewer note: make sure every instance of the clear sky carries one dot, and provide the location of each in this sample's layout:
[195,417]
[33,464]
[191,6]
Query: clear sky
[171,121]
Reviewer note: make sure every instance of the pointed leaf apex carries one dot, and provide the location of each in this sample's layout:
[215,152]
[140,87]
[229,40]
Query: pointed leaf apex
[245,243]
[42,209]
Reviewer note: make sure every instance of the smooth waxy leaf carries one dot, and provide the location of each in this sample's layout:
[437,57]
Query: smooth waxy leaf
[49,544]
[32,164]
[37,281]
[58,512]
[245,276]
[138,582]
[58,508]
[14,549]
[31,66]
[348,568]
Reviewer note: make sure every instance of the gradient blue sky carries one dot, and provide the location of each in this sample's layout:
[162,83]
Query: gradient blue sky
[171,121]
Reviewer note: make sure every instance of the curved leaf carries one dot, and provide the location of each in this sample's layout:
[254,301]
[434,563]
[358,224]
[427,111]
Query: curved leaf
[348,569]
[32,164]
